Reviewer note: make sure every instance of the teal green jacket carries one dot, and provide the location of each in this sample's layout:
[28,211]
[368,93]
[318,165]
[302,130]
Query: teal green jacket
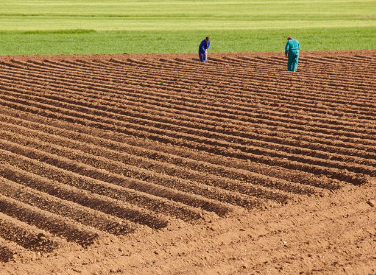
[292,45]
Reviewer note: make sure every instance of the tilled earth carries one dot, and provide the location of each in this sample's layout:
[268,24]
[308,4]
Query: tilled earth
[160,164]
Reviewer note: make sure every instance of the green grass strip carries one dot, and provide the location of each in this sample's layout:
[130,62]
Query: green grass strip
[115,42]
[178,26]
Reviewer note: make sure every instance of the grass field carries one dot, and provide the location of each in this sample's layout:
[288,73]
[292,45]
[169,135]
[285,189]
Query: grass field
[115,26]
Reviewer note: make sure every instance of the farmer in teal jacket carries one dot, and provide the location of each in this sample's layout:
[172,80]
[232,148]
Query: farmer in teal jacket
[292,52]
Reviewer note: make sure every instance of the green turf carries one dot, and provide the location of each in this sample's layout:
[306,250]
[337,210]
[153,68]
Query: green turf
[118,26]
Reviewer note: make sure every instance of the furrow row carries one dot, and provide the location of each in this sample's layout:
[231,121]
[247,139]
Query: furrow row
[195,142]
[200,162]
[47,221]
[58,85]
[117,172]
[339,122]
[107,94]
[194,135]
[268,82]
[265,90]
[212,115]
[257,65]
[104,183]
[218,78]
[242,134]
[26,236]
[168,175]
[81,190]
[80,214]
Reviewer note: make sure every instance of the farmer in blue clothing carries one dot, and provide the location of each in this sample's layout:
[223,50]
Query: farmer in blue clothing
[203,49]
[292,52]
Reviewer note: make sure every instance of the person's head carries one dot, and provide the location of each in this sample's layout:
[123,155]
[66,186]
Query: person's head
[207,38]
[288,38]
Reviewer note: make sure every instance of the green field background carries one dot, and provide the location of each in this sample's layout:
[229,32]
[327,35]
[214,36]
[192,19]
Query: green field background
[115,26]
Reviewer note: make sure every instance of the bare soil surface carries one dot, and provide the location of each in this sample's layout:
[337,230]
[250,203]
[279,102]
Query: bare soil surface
[160,164]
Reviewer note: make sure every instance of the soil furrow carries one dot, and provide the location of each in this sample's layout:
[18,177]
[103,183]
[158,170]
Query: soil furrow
[196,142]
[139,168]
[83,197]
[63,208]
[47,221]
[178,157]
[209,149]
[239,133]
[116,102]
[255,78]
[191,133]
[25,235]
[112,172]
[175,155]
[137,163]
[264,93]
[102,195]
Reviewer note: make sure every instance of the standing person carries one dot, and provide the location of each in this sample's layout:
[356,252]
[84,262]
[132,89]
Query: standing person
[292,52]
[203,49]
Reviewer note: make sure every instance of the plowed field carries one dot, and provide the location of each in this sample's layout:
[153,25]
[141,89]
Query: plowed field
[158,164]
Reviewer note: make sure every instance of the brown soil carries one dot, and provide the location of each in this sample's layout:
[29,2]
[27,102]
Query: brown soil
[160,164]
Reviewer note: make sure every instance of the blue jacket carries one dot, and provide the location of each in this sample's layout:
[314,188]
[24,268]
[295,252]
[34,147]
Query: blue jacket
[292,45]
[203,46]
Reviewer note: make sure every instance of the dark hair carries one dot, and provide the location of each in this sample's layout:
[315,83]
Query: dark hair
[207,38]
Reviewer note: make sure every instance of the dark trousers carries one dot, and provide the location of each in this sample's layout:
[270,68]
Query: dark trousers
[202,56]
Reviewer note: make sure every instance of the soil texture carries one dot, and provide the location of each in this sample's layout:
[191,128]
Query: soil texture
[161,164]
